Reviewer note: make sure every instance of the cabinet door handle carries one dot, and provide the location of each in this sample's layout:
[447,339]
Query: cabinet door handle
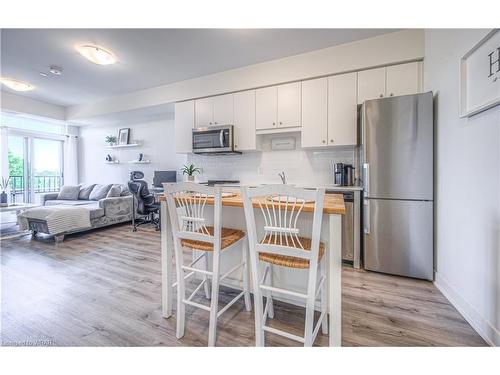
[381,96]
[323,141]
[215,123]
[274,124]
[391,94]
[281,123]
[210,123]
[331,140]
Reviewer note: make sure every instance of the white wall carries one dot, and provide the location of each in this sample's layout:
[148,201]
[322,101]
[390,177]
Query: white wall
[22,104]
[301,166]
[467,188]
[392,48]
[157,145]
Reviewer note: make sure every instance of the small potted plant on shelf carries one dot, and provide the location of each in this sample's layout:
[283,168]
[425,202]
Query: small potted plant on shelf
[4,184]
[110,140]
[190,170]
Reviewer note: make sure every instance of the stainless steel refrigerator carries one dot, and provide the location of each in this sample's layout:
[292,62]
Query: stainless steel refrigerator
[397,159]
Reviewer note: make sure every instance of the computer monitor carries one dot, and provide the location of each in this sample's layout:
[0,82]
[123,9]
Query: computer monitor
[160,177]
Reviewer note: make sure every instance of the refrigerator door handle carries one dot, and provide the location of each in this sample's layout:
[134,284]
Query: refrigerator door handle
[366,179]
[366,220]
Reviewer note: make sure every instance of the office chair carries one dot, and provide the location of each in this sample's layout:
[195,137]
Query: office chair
[146,205]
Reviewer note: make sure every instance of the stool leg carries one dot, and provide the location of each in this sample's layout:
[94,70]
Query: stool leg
[214,305]
[246,270]
[181,290]
[269,297]
[205,277]
[309,326]
[324,323]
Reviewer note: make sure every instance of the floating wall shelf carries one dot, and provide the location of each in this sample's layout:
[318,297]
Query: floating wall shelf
[124,146]
[113,162]
[139,162]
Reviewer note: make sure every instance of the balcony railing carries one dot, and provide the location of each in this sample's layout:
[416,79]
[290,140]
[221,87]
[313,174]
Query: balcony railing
[41,184]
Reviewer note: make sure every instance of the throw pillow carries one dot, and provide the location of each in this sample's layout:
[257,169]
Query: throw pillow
[69,193]
[115,191]
[85,192]
[125,190]
[99,192]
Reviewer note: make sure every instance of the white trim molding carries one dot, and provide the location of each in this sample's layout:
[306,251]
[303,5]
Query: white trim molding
[480,324]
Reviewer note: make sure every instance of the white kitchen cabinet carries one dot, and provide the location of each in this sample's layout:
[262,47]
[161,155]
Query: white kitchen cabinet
[244,121]
[404,79]
[204,112]
[216,110]
[223,110]
[342,110]
[266,107]
[289,105]
[314,113]
[184,123]
[278,106]
[371,84]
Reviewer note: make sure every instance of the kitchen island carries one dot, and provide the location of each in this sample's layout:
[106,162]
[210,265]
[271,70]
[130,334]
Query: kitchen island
[233,217]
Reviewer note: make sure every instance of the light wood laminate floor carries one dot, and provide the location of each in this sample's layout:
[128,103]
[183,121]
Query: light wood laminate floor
[102,288]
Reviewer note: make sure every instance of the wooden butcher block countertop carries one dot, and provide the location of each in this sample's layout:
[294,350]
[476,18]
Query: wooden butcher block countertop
[333,204]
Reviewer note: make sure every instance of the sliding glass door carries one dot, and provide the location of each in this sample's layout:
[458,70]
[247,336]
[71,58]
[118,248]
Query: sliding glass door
[35,167]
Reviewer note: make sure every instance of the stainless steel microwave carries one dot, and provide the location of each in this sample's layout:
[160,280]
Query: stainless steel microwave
[214,140]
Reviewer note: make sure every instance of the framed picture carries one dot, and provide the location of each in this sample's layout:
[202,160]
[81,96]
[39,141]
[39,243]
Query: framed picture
[123,136]
[480,76]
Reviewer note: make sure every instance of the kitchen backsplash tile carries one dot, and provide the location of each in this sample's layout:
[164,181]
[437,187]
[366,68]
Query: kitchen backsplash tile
[300,165]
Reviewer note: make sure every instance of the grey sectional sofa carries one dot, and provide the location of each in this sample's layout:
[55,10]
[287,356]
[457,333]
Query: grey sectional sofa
[103,211]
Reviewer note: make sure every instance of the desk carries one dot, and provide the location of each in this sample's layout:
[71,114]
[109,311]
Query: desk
[333,210]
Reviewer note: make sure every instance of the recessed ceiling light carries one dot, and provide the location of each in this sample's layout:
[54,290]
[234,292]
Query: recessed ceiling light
[96,54]
[16,85]
[56,70]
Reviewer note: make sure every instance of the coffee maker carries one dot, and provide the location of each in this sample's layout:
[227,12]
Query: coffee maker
[338,174]
[343,174]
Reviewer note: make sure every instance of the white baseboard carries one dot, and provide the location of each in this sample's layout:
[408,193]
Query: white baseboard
[481,325]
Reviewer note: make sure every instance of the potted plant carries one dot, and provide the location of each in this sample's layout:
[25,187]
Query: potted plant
[4,184]
[110,140]
[189,170]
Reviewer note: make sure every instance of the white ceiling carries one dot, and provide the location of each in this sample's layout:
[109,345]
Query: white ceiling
[148,57]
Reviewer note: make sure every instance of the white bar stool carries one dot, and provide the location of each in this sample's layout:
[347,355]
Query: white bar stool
[186,204]
[282,245]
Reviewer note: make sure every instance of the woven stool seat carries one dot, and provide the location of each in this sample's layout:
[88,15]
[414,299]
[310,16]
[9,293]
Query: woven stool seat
[289,261]
[228,237]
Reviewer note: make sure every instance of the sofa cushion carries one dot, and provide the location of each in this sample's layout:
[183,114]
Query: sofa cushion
[85,191]
[99,192]
[54,202]
[69,192]
[115,191]
[95,210]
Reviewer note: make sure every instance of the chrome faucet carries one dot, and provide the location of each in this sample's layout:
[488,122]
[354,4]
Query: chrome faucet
[283,177]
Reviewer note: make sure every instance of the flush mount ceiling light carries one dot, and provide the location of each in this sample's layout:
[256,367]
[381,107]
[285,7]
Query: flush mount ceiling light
[15,84]
[96,54]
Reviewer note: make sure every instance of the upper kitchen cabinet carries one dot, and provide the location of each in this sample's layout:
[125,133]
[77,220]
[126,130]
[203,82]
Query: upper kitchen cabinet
[216,110]
[224,109]
[266,108]
[371,84]
[289,105]
[404,79]
[244,121]
[278,106]
[204,112]
[342,110]
[184,123]
[314,112]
